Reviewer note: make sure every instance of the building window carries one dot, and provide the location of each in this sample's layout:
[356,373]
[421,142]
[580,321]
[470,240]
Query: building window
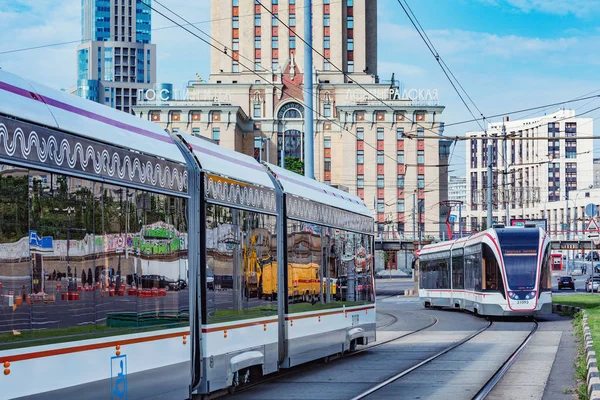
[400,181]
[275,64]
[196,131]
[257,113]
[400,133]
[350,44]
[327,164]
[380,133]
[380,209]
[292,42]
[380,156]
[350,22]
[275,42]
[400,156]
[292,1]
[421,181]
[326,20]
[350,66]
[360,181]
[380,182]
[235,22]
[326,65]
[257,42]
[216,134]
[257,66]
[326,42]
[360,133]
[420,132]
[327,142]
[400,205]
[292,19]
[327,110]
[236,44]
[420,156]
[274,20]
[360,157]
[235,66]
[350,3]
[256,19]
[235,3]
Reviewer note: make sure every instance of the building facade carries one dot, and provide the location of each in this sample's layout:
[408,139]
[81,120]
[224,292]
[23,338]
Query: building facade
[369,139]
[115,61]
[548,168]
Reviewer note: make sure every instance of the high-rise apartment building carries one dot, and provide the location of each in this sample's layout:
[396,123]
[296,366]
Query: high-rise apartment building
[344,33]
[372,137]
[115,60]
[548,169]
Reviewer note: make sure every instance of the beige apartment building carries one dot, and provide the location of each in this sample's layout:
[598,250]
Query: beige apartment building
[546,178]
[369,134]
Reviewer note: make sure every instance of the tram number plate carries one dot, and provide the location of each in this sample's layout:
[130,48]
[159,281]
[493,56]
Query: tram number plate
[355,320]
[522,301]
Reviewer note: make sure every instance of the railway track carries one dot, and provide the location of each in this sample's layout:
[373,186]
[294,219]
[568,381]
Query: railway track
[313,366]
[483,392]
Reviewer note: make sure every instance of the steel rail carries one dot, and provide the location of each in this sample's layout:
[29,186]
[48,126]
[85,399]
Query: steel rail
[491,383]
[419,365]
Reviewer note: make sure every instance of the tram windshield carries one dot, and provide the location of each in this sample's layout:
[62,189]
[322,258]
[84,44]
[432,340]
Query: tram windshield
[520,251]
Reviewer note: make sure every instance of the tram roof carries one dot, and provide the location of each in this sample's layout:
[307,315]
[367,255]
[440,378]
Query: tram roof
[219,160]
[311,189]
[43,105]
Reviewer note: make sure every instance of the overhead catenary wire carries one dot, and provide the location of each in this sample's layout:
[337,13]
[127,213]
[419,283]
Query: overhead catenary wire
[224,51]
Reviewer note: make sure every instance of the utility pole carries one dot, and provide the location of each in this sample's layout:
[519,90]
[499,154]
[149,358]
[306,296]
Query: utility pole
[567,214]
[309,147]
[505,178]
[490,180]
[413,214]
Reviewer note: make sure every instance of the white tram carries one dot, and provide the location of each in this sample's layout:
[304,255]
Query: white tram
[500,271]
[139,263]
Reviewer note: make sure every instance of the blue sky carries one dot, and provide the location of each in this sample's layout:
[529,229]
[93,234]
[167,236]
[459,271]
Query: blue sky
[508,54]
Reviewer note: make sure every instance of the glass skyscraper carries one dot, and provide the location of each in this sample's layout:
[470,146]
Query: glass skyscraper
[116,61]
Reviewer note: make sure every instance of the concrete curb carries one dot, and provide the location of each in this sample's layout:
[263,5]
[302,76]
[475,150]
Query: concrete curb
[593,375]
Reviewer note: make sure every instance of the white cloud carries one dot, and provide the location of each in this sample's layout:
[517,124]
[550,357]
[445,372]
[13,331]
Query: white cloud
[31,23]
[469,45]
[579,8]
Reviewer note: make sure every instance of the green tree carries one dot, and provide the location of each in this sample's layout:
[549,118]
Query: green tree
[295,165]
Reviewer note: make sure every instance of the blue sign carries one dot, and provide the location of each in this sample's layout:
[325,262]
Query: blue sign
[118,377]
[453,218]
[43,243]
[591,210]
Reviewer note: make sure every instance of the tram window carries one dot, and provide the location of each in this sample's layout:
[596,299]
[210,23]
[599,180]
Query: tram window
[473,268]
[491,271]
[458,272]
[243,259]
[546,278]
[341,260]
[78,239]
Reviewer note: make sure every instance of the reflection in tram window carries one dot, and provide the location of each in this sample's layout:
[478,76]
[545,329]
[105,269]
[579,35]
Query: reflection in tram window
[327,267]
[241,258]
[76,258]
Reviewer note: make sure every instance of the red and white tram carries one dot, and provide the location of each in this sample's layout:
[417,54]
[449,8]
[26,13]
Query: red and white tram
[500,271]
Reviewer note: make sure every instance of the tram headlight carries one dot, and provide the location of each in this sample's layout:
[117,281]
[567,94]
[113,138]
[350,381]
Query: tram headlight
[511,295]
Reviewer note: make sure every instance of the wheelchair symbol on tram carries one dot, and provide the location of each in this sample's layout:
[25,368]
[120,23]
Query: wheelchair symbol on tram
[118,377]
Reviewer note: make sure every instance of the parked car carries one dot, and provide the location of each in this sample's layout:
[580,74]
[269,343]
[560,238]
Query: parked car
[592,285]
[566,282]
